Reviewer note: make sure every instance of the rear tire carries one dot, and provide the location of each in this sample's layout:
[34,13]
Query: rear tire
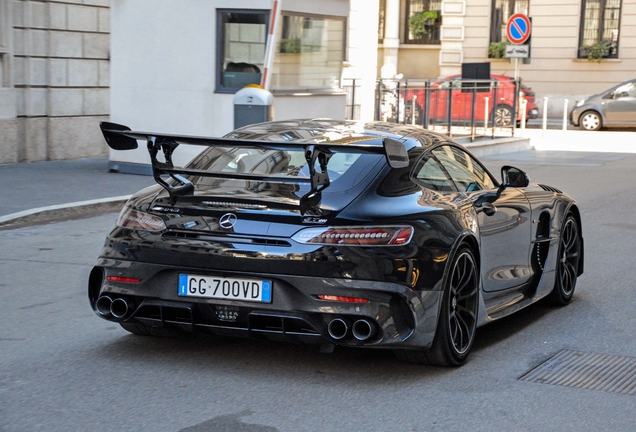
[458,316]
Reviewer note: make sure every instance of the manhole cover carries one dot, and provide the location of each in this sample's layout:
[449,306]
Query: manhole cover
[591,371]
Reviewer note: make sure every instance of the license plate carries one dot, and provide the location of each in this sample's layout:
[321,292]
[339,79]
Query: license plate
[252,290]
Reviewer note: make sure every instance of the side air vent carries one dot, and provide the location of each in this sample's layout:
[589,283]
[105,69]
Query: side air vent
[549,188]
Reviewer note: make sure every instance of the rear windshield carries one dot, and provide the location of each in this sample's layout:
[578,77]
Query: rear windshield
[344,169]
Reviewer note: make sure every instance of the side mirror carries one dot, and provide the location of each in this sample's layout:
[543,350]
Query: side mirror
[610,95]
[514,177]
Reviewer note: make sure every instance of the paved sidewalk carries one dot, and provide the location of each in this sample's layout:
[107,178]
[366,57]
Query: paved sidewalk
[606,141]
[51,187]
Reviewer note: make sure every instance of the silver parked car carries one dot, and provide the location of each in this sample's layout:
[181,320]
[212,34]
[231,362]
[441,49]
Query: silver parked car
[615,107]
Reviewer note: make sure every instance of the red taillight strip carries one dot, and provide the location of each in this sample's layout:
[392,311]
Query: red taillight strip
[342,299]
[122,279]
[138,220]
[356,235]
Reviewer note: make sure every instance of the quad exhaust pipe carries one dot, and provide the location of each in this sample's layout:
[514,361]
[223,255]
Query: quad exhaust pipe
[338,328]
[362,329]
[103,305]
[117,308]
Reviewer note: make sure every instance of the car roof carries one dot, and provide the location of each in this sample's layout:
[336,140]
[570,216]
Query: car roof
[338,132]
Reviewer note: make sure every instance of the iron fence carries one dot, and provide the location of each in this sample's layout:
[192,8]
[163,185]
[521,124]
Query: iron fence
[453,106]
[352,86]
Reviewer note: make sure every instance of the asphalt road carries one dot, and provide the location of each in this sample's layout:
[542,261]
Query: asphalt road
[63,369]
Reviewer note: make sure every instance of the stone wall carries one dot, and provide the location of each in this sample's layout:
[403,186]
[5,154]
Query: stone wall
[58,79]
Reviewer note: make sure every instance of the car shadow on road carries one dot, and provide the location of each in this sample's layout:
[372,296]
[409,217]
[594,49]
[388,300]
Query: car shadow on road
[505,328]
[261,358]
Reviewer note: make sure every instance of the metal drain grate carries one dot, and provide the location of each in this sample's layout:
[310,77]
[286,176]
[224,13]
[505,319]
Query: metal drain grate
[591,371]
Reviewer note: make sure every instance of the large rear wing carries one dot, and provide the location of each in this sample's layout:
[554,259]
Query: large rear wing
[120,137]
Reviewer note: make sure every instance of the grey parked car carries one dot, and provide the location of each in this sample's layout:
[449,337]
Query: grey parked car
[615,107]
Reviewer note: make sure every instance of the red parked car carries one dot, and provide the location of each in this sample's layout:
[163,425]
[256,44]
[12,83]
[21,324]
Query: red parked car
[462,101]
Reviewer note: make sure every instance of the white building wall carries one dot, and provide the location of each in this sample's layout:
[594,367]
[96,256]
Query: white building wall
[363,53]
[163,70]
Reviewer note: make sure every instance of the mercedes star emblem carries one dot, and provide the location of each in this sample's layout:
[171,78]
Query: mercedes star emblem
[228,220]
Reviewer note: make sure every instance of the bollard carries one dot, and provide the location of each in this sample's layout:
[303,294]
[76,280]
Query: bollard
[520,113]
[485,113]
[413,109]
[565,115]
[545,116]
[524,104]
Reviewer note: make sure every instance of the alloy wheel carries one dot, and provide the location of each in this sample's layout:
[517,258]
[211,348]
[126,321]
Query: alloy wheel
[568,258]
[462,303]
[503,116]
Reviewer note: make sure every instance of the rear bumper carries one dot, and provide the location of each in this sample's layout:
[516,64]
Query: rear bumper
[398,316]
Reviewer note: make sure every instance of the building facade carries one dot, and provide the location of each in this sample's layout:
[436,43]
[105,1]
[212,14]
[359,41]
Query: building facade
[54,78]
[180,74]
[172,66]
[578,47]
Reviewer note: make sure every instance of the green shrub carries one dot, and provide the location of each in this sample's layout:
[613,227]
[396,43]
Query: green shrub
[497,49]
[289,46]
[597,51]
[422,23]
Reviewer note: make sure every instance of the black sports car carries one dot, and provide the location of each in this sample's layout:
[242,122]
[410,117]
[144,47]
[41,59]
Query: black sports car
[335,233]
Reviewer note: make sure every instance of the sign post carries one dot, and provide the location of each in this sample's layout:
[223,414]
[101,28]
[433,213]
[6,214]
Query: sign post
[518,31]
[270,46]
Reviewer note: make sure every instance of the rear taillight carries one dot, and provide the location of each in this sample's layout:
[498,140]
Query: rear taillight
[356,235]
[138,220]
[123,279]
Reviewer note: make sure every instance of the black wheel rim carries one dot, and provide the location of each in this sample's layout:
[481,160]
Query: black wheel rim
[463,303]
[569,257]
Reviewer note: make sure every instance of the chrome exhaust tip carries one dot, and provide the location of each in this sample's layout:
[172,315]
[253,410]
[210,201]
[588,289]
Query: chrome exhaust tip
[338,328]
[103,305]
[119,308]
[363,329]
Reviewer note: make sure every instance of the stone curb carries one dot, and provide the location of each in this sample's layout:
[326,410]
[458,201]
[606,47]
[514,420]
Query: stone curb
[68,211]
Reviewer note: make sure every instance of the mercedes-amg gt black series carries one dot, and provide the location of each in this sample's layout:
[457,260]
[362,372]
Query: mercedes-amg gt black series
[335,233]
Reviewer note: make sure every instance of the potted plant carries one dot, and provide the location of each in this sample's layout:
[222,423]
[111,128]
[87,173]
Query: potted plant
[597,51]
[497,49]
[289,46]
[421,24]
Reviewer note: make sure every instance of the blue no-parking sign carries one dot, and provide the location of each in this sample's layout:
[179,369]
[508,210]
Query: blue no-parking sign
[518,28]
